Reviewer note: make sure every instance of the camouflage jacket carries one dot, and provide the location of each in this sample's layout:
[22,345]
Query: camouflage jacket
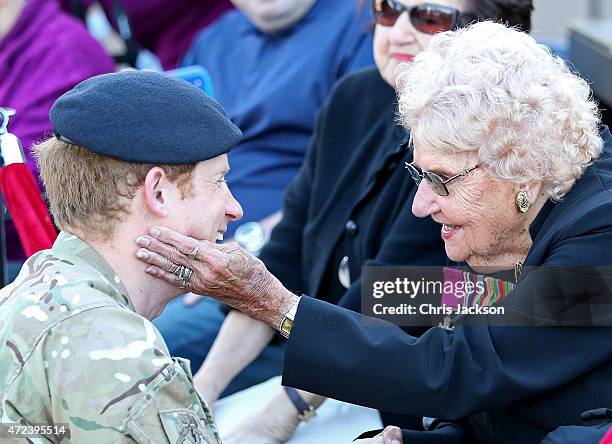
[74,352]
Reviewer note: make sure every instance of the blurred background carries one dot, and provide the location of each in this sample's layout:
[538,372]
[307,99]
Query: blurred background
[581,32]
[552,17]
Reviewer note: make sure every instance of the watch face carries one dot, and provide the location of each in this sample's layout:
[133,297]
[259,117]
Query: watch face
[251,237]
[286,326]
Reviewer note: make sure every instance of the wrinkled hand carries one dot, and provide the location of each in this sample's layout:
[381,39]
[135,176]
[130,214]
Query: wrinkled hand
[391,435]
[225,272]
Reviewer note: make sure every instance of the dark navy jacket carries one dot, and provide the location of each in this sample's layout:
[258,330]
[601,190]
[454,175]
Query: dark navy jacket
[515,384]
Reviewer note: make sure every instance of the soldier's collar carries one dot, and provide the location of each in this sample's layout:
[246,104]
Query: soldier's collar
[73,245]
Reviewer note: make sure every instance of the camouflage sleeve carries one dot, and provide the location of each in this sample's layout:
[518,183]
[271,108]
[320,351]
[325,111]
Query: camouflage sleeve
[111,379]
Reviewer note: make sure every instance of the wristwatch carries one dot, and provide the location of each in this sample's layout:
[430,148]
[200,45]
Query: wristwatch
[286,323]
[305,412]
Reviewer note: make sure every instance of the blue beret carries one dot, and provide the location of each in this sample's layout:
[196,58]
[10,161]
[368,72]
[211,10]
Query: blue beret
[145,117]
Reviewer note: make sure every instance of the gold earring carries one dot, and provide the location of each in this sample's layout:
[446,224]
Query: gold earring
[522,201]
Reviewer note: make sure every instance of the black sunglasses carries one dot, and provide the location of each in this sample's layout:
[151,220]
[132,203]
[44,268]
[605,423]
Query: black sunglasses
[428,18]
[436,182]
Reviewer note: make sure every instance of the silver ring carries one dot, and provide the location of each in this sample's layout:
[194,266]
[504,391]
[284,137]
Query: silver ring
[183,274]
[193,255]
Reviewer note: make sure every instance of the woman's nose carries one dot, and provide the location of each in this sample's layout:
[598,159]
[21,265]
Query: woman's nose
[402,31]
[425,201]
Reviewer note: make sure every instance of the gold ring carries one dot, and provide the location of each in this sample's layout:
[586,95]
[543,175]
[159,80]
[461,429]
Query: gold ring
[193,255]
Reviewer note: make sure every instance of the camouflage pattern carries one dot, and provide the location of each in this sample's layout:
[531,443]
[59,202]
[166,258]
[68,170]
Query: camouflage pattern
[75,352]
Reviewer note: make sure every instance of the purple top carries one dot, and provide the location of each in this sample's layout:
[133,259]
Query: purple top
[45,54]
[167,27]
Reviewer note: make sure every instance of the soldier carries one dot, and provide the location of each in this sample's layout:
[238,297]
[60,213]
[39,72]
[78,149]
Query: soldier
[130,149]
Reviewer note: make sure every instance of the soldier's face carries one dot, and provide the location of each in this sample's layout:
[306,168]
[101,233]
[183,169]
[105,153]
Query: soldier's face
[212,206]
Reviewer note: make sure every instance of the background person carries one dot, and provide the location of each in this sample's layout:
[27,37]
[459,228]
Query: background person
[80,347]
[508,183]
[167,28]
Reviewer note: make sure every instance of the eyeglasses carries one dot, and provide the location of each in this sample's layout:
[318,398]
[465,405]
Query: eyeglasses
[436,182]
[428,18]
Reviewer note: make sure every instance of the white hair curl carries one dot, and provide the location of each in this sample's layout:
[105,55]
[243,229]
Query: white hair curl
[494,90]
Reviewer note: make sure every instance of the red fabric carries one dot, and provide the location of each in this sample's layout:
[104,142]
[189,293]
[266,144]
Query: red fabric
[607,439]
[27,208]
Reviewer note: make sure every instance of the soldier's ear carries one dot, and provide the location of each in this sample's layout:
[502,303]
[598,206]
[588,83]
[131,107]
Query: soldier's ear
[156,191]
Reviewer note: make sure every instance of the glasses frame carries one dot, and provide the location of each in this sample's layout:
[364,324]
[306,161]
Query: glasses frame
[434,180]
[459,19]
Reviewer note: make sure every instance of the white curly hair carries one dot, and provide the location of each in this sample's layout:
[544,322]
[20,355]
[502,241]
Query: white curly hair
[494,90]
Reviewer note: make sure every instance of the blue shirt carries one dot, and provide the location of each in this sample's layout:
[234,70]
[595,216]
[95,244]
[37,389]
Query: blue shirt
[271,86]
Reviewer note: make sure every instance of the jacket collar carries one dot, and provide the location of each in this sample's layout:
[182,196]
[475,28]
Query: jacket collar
[70,245]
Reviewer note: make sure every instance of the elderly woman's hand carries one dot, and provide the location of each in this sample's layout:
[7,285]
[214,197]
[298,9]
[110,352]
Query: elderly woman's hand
[391,435]
[223,271]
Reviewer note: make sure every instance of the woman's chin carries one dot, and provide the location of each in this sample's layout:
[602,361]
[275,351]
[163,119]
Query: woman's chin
[454,254]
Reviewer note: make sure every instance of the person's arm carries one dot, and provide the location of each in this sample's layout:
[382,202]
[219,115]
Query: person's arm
[274,423]
[341,354]
[476,367]
[240,340]
[442,374]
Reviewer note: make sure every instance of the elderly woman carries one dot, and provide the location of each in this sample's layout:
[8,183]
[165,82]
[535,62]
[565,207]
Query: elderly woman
[527,133]
[510,162]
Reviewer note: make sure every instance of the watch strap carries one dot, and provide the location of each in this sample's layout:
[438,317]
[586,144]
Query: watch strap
[286,323]
[305,411]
